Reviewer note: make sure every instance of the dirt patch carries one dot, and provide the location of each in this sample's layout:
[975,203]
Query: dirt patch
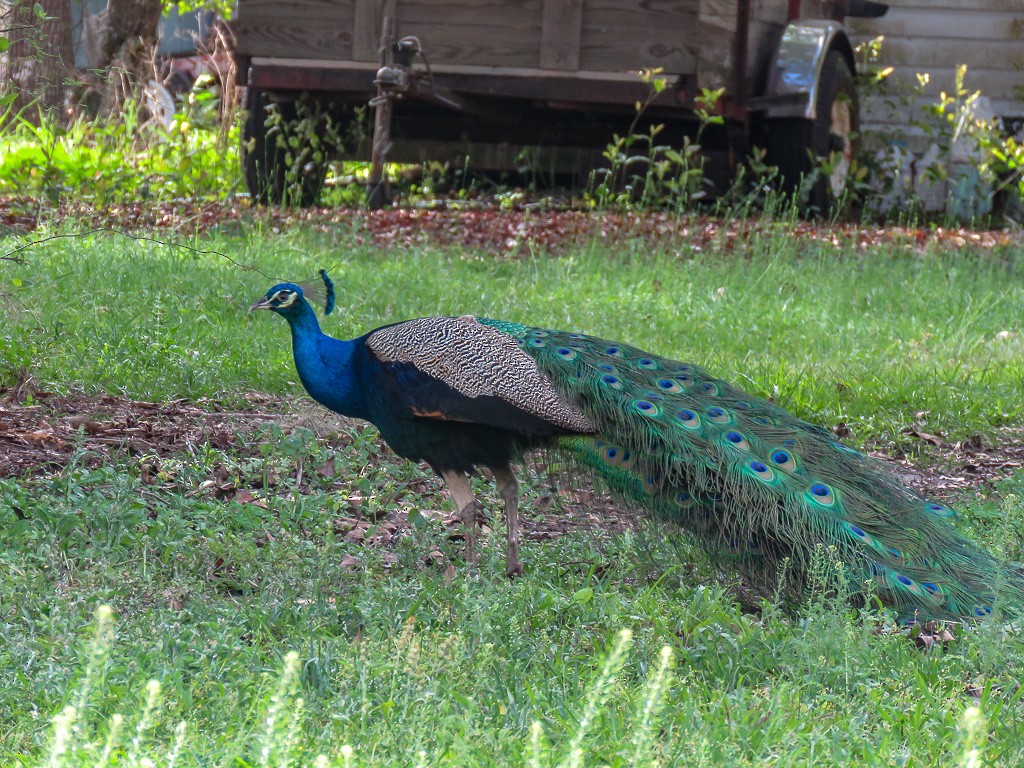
[41,438]
[482,224]
[42,433]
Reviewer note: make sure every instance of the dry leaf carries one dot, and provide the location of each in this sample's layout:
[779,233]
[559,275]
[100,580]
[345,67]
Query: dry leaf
[449,574]
[349,562]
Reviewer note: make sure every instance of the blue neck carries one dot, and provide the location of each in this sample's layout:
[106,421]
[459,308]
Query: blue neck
[328,368]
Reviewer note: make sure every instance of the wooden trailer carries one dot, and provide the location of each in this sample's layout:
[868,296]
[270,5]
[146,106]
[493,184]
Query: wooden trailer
[485,78]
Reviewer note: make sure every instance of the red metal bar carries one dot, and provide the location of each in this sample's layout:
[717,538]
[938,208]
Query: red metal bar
[793,12]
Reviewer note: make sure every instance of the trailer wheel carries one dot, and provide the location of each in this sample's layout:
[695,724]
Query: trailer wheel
[827,144]
[276,173]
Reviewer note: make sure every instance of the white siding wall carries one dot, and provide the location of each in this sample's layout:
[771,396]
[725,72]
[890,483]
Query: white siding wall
[935,36]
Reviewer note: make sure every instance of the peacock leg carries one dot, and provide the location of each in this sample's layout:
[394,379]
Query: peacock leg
[509,490]
[468,506]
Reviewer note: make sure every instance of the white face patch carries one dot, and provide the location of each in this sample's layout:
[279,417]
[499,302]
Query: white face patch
[284,298]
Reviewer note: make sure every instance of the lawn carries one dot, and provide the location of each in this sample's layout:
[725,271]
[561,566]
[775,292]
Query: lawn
[276,636]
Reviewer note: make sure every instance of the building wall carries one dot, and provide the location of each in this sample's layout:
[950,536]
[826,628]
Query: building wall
[936,36]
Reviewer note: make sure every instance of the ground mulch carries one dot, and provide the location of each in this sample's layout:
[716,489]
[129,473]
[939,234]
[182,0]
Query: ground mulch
[482,224]
[41,433]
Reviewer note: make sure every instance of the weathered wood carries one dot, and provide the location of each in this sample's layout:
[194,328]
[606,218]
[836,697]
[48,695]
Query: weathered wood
[716,51]
[319,29]
[366,28]
[607,88]
[560,34]
[473,44]
[267,36]
[773,11]
[458,69]
[480,13]
[655,33]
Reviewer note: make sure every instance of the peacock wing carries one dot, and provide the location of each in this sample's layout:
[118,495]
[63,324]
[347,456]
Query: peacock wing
[456,369]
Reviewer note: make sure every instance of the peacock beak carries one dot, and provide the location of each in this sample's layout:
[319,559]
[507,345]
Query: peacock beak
[263,303]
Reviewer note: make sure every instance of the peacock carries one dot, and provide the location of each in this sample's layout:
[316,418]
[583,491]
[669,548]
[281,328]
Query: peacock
[747,479]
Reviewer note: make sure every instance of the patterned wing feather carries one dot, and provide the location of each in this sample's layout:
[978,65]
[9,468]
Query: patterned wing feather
[477,361]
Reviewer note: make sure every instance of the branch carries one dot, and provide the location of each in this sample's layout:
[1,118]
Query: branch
[12,255]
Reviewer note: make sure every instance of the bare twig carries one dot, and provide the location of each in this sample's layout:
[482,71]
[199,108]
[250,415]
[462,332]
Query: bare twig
[12,254]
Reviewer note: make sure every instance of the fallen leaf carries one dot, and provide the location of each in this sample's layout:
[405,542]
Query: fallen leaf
[935,440]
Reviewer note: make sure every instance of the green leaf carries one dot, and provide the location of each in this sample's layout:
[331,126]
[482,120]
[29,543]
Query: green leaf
[4,44]
[7,98]
[37,9]
[583,596]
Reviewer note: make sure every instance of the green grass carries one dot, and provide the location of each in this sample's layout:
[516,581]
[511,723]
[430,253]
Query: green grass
[393,661]
[868,337]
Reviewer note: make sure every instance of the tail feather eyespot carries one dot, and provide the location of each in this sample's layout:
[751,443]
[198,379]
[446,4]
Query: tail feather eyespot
[821,494]
[688,419]
[718,415]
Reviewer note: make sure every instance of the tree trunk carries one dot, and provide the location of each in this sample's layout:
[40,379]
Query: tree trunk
[126,41]
[40,60]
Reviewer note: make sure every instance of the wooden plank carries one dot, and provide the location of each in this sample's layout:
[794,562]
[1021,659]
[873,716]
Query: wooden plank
[719,14]
[481,13]
[716,36]
[531,84]
[651,15]
[324,10]
[313,28]
[524,72]
[628,37]
[770,11]
[473,44]
[269,37]
[561,29]
[366,27]
[633,50]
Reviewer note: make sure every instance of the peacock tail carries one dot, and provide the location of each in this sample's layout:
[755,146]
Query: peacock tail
[753,482]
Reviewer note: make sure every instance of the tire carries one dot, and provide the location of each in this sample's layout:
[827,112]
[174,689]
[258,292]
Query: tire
[264,160]
[826,145]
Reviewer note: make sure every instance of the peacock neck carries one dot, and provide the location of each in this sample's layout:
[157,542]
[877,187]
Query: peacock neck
[327,367]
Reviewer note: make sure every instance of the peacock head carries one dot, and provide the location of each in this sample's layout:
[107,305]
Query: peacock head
[284,298]
[288,300]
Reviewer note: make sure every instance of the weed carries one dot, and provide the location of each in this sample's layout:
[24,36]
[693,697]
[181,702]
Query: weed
[641,172]
[123,159]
